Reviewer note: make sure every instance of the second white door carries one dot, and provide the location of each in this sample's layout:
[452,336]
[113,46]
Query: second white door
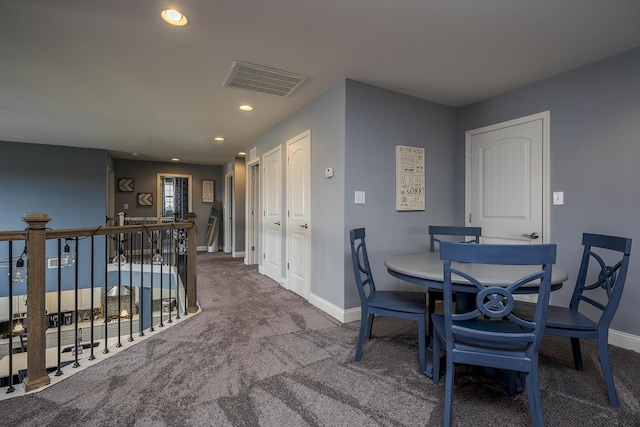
[272,214]
[299,214]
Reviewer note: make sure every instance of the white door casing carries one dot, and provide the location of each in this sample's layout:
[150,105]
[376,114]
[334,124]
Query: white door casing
[507,180]
[272,214]
[228,213]
[298,242]
[254,254]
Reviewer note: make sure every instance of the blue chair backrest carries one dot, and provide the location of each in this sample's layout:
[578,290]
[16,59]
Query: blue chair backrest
[608,276]
[445,230]
[497,302]
[361,268]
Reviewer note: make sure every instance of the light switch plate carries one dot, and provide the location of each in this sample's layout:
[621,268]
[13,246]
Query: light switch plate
[558,197]
[359,197]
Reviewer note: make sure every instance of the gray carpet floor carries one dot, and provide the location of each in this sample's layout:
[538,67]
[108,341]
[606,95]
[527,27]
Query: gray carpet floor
[259,355]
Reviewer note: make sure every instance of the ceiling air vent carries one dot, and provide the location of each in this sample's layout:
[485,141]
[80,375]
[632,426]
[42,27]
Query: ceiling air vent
[262,79]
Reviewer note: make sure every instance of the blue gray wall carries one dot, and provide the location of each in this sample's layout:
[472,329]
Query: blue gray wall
[145,176]
[68,184]
[376,121]
[354,129]
[595,148]
[325,118]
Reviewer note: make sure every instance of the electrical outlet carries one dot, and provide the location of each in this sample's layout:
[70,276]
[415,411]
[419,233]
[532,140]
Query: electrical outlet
[359,197]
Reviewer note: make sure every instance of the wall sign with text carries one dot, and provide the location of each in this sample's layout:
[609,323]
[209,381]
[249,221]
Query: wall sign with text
[410,184]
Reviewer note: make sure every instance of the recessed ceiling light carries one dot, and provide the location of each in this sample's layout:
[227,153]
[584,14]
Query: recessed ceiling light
[218,138]
[173,17]
[175,159]
[242,153]
[246,107]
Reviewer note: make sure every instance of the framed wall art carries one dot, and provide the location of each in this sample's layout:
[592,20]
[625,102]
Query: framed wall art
[145,199]
[410,182]
[208,195]
[125,185]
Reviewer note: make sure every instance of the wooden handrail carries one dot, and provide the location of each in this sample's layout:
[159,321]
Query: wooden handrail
[36,234]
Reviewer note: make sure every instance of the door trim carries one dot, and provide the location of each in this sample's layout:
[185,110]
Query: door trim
[545,116]
[228,212]
[253,257]
[159,189]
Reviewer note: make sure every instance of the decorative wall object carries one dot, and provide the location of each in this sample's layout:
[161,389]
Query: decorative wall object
[410,183]
[145,199]
[208,195]
[125,185]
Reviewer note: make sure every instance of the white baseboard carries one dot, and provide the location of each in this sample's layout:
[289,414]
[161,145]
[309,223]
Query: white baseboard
[237,254]
[624,340]
[616,338]
[344,316]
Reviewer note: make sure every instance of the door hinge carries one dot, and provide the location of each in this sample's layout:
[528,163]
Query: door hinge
[253,248]
[264,256]
[469,217]
[287,266]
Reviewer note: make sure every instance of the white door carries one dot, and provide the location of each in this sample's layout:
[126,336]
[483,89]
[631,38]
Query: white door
[228,213]
[298,213]
[253,214]
[507,180]
[272,214]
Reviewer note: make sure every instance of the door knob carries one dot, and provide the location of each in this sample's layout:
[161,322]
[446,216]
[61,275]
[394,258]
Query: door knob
[277,223]
[304,226]
[533,235]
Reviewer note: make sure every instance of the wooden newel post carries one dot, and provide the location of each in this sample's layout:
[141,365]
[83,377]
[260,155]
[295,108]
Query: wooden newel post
[192,288]
[36,294]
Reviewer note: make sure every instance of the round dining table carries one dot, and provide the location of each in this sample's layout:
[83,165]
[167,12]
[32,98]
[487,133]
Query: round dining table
[426,269]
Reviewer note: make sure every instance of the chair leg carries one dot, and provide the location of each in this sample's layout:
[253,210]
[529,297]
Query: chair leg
[448,392]
[435,364]
[607,373]
[535,405]
[422,345]
[431,309]
[365,324]
[577,354]
[369,326]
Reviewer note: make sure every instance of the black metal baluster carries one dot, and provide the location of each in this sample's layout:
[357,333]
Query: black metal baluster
[161,325]
[105,350]
[177,275]
[131,287]
[11,388]
[77,338]
[91,355]
[60,315]
[141,292]
[170,287]
[119,344]
[186,274]
[151,329]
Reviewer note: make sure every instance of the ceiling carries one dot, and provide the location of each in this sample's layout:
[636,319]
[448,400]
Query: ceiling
[113,75]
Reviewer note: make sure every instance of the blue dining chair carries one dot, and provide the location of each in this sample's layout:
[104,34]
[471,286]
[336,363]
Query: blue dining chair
[399,304]
[604,290]
[435,232]
[490,334]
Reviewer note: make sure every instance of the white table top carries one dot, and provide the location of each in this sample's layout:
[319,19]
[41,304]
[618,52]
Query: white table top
[426,269]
